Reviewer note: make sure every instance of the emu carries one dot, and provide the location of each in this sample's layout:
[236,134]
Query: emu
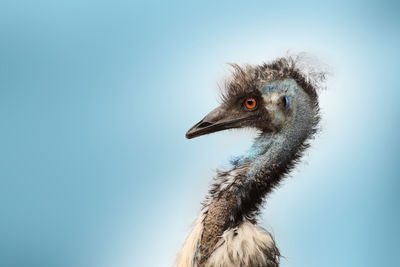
[280,100]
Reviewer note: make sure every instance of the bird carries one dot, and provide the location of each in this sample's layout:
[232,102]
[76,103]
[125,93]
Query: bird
[280,100]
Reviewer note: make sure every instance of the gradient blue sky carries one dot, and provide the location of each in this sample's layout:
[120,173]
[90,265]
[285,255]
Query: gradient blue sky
[95,99]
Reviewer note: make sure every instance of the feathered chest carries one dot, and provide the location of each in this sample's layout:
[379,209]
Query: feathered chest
[224,236]
[245,245]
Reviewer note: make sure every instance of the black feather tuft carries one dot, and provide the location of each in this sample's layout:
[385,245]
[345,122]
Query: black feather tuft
[248,78]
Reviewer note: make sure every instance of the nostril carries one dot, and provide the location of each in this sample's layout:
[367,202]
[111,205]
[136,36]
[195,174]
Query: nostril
[204,124]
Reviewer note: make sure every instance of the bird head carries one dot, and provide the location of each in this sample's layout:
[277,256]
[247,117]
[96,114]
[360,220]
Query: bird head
[266,97]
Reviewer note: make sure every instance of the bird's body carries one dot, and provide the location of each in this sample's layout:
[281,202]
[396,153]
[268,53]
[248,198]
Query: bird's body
[282,104]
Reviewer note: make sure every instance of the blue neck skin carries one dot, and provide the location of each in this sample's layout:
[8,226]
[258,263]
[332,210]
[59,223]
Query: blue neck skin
[272,149]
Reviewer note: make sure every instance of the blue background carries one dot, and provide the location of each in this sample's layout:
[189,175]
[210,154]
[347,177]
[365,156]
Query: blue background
[95,99]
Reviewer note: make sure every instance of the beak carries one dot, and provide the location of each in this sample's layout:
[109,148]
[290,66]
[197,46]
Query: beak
[217,120]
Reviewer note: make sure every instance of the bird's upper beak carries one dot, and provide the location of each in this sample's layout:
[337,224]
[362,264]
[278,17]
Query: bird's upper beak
[217,120]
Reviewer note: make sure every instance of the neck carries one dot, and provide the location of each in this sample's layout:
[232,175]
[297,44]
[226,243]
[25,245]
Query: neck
[276,149]
[271,156]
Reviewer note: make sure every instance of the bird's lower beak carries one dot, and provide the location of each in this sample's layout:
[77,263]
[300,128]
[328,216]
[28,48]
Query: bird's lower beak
[217,120]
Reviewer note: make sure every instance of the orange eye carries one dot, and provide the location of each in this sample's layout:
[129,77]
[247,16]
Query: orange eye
[250,103]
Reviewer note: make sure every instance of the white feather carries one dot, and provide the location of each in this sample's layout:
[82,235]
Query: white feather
[245,245]
[187,254]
